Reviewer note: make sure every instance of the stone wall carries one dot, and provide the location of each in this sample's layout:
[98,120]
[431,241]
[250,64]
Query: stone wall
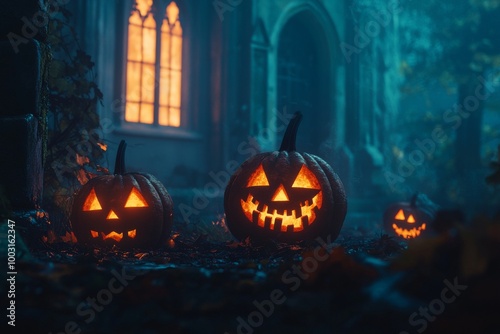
[24,59]
[23,63]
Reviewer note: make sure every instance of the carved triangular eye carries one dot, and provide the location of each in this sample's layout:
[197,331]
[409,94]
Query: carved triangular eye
[258,178]
[306,179]
[92,203]
[400,215]
[411,219]
[280,195]
[135,200]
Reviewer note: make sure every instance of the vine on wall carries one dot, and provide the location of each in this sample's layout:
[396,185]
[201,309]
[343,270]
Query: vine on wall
[74,147]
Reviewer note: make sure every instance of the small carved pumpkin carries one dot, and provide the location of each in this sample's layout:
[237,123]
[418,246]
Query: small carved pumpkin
[129,210]
[285,195]
[406,220]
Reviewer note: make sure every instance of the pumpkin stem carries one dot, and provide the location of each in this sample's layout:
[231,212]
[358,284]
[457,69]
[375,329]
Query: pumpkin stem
[289,139]
[413,201]
[120,158]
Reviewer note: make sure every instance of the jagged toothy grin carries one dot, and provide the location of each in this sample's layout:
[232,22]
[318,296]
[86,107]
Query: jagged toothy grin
[113,235]
[411,233]
[285,220]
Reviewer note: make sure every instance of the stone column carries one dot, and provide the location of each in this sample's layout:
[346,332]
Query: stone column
[23,103]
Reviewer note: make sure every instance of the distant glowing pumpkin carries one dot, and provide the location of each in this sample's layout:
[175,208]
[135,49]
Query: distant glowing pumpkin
[285,195]
[129,210]
[406,220]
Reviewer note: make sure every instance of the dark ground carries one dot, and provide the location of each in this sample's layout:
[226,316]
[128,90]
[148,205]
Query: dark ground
[203,281]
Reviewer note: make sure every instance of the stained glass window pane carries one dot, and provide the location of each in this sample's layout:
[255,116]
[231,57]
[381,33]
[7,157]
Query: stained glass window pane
[143,76]
[170,67]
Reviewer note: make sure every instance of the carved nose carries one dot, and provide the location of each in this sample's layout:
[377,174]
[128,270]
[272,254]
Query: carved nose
[280,195]
[112,215]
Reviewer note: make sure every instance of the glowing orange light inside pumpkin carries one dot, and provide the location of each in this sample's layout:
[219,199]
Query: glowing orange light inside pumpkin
[289,220]
[306,179]
[112,215]
[258,178]
[113,235]
[92,203]
[407,234]
[280,195]
[400,215]
[135,200]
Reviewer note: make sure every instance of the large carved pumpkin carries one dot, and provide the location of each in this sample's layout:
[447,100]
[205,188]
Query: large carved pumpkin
[129,210]
[407,220]
[285,195]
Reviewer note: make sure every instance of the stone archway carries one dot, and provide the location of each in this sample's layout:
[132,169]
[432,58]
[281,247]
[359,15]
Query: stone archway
[300,82]
[303,74]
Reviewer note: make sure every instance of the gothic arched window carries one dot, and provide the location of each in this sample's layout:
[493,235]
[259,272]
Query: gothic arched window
[154,65]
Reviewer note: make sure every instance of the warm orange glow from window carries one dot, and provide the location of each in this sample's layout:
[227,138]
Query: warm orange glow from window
[144,79]
[135,200]
[170,68]
[172,13]
[143,6]
[280,195]
[92,203]
[258,178]
[306,179]
[141,58]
